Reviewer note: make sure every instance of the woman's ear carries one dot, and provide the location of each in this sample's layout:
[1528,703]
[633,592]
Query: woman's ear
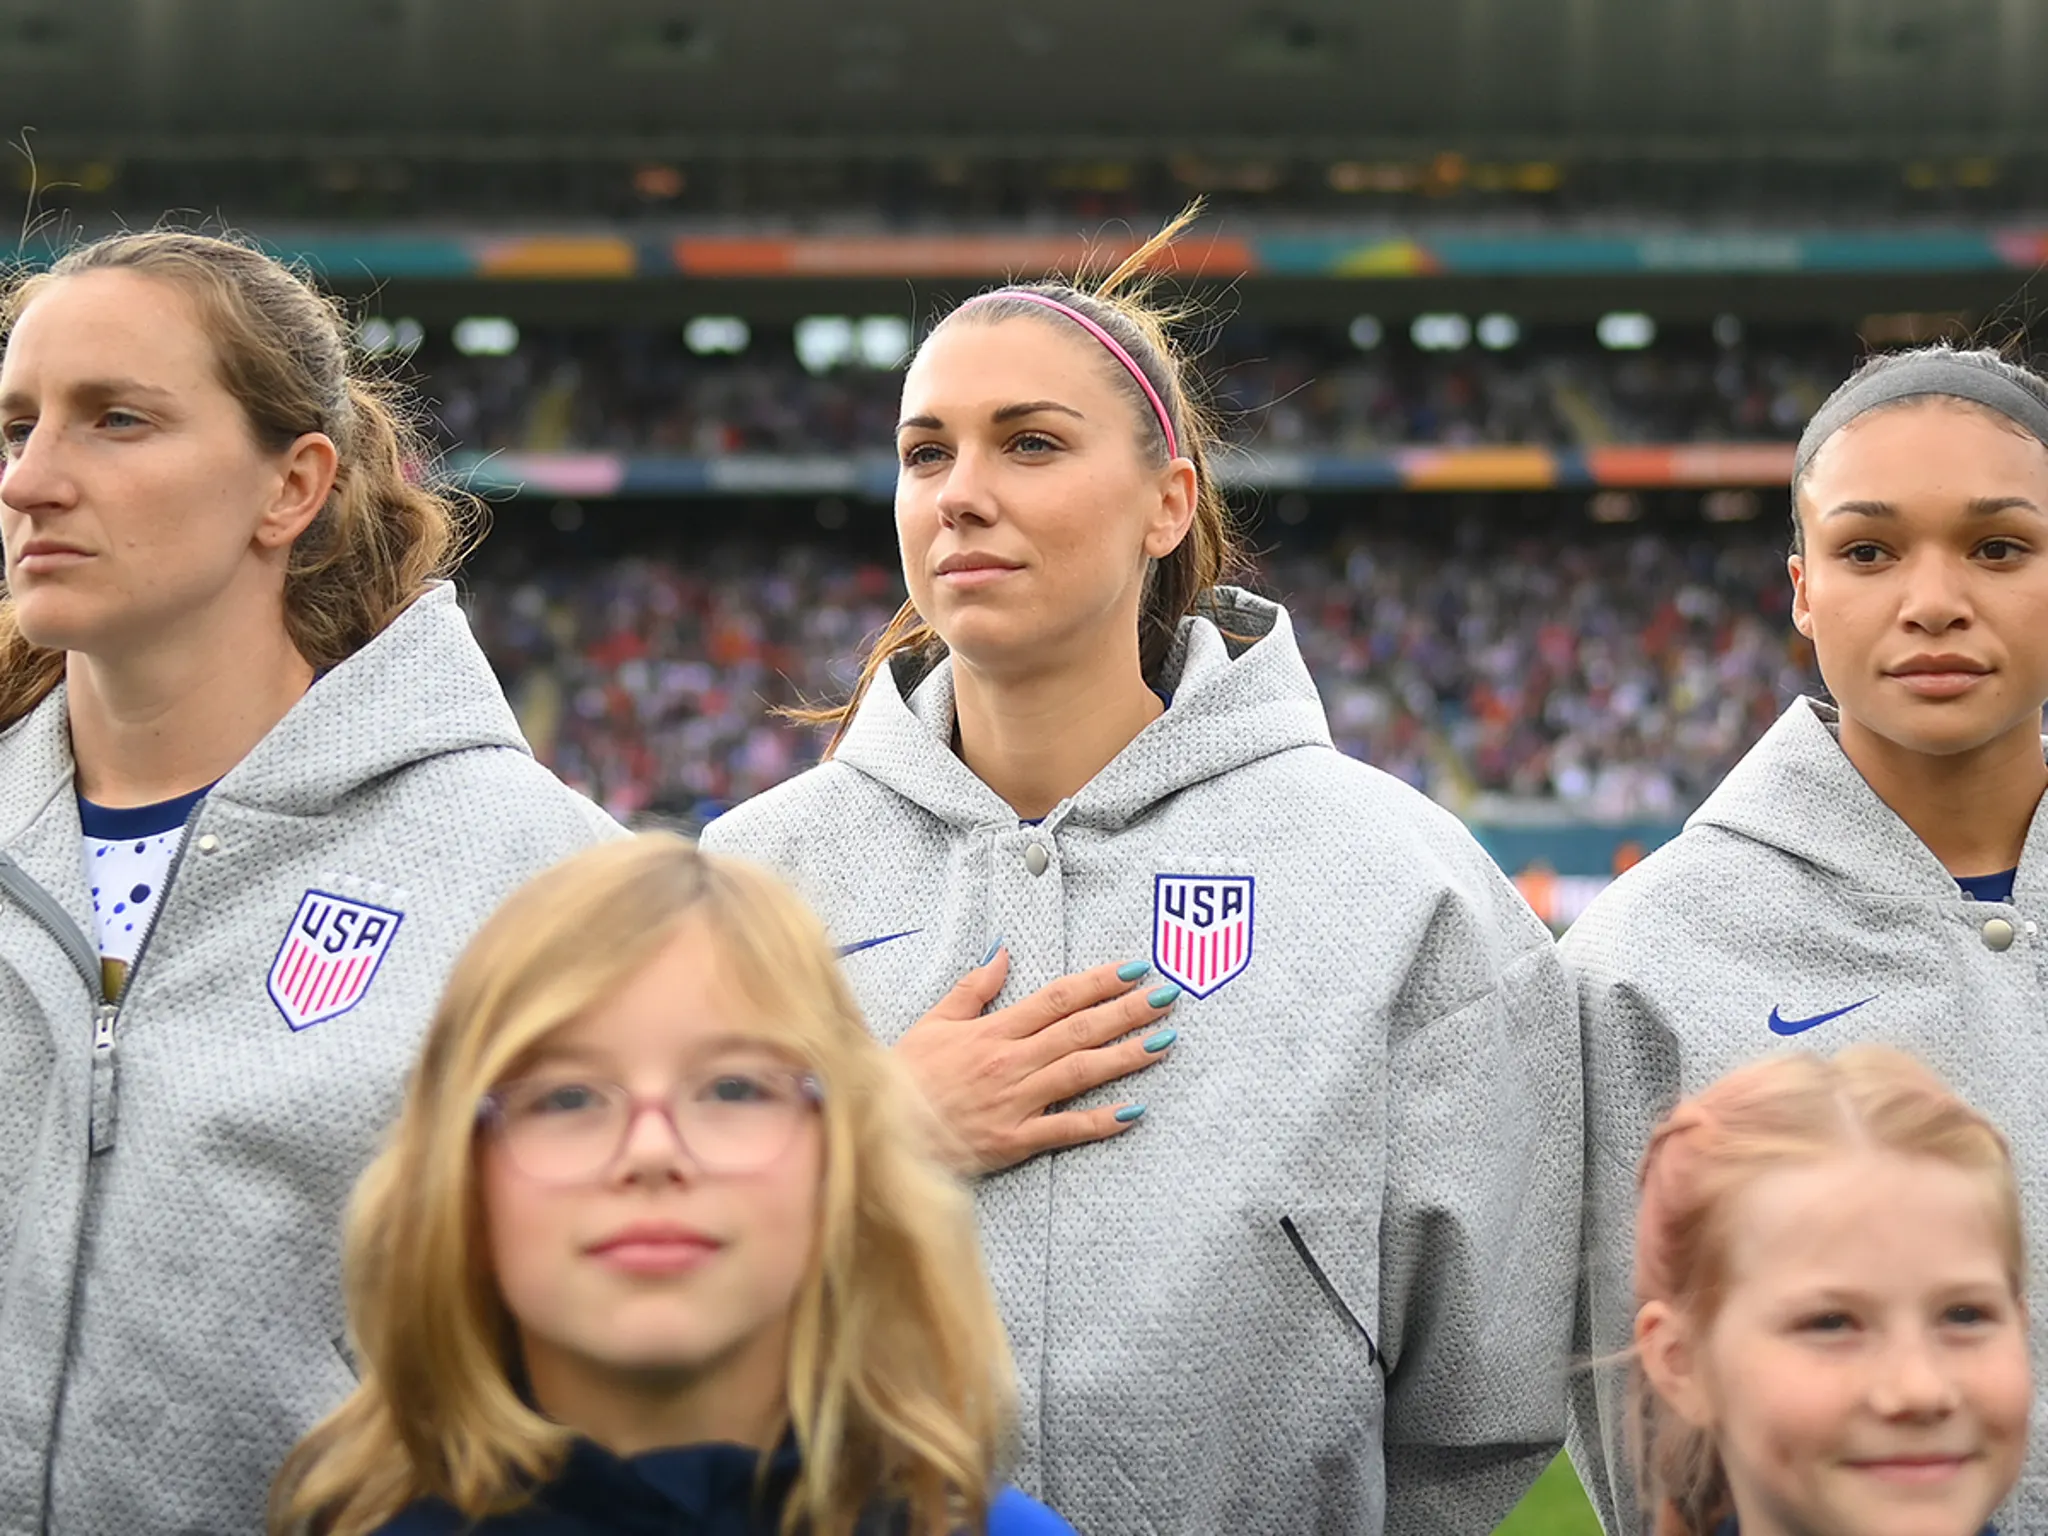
[307,473]
[1802,614]
[1671,1359]
[1178,491]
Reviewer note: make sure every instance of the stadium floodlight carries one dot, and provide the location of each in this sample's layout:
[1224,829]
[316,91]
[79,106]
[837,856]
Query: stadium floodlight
[406,336]
[1367,332]
[717,335]
[1441,333]
[1730,506]
[1625,330]
[486,336]
[1615,507]
[1727,330]
[375,335]
[884,341]
[1497,333]
[823,342]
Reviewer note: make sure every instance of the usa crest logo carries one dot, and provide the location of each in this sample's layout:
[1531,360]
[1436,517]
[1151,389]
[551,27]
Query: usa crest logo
[329,957]
[1201,929]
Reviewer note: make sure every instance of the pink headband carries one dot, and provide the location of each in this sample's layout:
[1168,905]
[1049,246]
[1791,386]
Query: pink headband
[1116,350]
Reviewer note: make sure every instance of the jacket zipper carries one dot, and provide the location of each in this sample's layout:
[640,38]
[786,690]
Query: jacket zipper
[106,1012]
[46,911]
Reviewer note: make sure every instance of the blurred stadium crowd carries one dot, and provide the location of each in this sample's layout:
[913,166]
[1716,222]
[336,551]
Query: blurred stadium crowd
[1618,672]
[643,390]
[1614,673]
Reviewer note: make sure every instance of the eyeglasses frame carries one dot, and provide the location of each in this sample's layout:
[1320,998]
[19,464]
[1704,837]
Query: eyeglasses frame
[490,1116]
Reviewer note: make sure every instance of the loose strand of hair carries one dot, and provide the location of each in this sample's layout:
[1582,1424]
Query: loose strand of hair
[1210,552]
[1134,279]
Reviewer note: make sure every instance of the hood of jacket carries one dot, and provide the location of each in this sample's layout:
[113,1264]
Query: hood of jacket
[1240,692]
[419,689]
[1797,791]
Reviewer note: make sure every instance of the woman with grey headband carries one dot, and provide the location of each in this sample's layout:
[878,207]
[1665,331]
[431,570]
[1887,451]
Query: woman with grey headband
[1876,869]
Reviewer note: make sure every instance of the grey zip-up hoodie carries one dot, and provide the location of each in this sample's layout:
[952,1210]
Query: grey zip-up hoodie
[172,1174]
[1325,1285]
[1795,911]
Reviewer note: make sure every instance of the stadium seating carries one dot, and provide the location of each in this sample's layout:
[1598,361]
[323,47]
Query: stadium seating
[640,390]
[1621,674]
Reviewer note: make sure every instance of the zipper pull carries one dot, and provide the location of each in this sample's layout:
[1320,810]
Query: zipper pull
[100,1118]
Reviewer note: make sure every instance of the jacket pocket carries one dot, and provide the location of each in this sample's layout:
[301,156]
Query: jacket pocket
[1343,1309]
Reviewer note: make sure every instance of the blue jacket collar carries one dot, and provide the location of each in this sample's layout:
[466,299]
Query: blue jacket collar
[704,1482]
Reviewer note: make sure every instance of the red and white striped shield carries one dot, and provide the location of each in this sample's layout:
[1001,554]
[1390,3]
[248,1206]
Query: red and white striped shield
[329,957]
[1201,929]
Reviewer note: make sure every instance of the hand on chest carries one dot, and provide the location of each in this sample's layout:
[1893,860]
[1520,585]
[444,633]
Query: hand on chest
[1200,926]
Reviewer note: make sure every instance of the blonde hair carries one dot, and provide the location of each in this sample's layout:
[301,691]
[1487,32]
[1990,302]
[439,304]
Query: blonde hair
[1127,305]
[281,348]
[1786,1110]
[899,1372]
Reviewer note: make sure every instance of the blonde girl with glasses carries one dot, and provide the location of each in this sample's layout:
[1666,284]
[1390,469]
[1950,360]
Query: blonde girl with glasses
[660,1242]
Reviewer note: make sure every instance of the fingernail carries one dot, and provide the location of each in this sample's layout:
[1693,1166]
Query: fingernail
[1130,1112]
[1137,970]
[1162,1040]
[1162,997]
[993,950]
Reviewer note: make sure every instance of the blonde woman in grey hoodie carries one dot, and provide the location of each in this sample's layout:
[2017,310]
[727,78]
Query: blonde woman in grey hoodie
[257,787]
[1313,1273]
[1876,869]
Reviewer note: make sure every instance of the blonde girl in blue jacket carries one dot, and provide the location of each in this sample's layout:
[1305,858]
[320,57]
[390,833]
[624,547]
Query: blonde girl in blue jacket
[661,1242]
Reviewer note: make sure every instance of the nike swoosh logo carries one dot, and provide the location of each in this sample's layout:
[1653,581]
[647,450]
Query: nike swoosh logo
[1780,1025]
[887,938]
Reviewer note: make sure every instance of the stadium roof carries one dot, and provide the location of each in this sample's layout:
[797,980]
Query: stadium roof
[502,78]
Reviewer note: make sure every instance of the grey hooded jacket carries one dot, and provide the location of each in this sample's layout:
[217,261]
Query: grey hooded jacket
[1795,911]
[1325,1285]
[172,1174]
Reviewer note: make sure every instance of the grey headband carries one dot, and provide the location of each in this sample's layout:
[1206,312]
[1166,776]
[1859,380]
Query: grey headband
[1936,373]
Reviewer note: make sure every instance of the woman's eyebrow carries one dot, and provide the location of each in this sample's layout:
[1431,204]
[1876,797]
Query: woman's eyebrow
[1033,408]
[1001,413]
[1991,506]
[94,392]
[1982,506]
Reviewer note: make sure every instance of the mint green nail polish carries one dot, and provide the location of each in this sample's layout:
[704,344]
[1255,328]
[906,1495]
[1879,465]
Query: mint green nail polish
[1162,997]
[1162,1040]
[1130,1112]
[1137,970]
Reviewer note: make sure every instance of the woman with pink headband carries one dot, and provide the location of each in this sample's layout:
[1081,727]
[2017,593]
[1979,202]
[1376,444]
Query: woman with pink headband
[1082,823]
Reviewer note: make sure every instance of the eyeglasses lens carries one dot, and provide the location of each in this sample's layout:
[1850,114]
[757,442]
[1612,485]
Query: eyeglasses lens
[567,1129]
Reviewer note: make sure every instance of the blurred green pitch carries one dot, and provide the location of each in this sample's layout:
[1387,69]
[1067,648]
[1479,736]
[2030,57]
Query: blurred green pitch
[1556,1506]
